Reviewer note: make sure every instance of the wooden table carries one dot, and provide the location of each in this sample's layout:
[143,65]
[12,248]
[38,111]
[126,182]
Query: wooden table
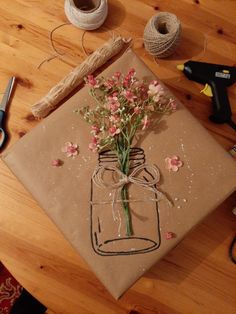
[197,276]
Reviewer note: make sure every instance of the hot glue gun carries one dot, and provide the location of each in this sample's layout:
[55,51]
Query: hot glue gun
[216,79]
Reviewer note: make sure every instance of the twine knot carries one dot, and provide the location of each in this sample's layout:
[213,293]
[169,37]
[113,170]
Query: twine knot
[123,179]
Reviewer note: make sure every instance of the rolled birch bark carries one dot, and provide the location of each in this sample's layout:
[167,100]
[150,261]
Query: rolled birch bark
[99,57]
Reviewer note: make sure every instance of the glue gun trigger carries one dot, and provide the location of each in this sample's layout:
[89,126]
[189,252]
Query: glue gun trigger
[207,90]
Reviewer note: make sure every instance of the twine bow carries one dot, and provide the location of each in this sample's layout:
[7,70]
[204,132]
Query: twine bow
[123,179]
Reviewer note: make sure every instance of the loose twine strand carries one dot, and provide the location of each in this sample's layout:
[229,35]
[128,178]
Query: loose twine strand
[59,55]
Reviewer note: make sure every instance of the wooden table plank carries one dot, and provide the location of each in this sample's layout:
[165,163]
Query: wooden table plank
[195,277]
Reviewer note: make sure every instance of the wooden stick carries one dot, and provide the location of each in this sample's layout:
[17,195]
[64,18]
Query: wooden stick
[43,107]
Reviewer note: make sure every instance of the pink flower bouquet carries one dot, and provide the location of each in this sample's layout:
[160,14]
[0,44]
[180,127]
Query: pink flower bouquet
[123,106]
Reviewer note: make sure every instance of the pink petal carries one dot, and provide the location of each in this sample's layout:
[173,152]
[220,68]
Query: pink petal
[56,163]
[174,168]
[168,163]
[180,163]
[169,235]
[65,147]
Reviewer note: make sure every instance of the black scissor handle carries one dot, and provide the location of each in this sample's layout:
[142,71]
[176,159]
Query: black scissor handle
[3,137]
[3,134]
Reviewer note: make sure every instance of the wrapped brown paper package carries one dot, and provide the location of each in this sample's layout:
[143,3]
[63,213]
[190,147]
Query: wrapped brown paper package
[206,179]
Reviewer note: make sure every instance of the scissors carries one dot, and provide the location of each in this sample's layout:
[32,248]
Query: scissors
[3,106]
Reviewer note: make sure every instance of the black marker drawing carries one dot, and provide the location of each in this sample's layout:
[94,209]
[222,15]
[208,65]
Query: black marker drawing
[107,221]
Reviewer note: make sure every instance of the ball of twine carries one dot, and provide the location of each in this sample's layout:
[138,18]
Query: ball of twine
[86,14]
[162,34]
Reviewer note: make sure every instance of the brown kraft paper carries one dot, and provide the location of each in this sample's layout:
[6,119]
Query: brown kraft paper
[84,213]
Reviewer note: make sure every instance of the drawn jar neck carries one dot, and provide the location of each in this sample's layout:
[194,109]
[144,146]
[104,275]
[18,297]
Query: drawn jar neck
[136,157]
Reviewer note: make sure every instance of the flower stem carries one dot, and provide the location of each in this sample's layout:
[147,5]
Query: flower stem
[125,205]
[124,167]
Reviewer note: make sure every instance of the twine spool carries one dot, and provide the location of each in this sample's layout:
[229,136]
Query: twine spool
[86,14]
[162,34]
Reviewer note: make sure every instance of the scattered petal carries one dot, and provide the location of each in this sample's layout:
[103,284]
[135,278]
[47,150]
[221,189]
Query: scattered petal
[70,149]
[169,235]
[57,162]
[173,163]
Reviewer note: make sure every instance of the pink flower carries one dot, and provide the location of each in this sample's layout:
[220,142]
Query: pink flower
[113,103]
[114,106]
[155,90]
[173,163]
[145,122]
[169,235]
[143,91]
[137,110]
[56,162]
[95,130]
[113,130]
[93,147]
[70,149]
[109,83]
[129,95]
[128,78]
[112,98]
[114,119]
[94,140]
[131,72]
[92,81]
[117,75]
[173,104]
[126,82]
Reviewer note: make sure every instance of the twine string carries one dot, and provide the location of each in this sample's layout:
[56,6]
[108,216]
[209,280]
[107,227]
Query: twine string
[162,34]
[123,179]
[85,19]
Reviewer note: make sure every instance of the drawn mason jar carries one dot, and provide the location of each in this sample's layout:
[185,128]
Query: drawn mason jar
[108,224]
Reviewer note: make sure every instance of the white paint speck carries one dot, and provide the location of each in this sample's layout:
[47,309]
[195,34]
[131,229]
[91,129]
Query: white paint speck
[176,199]
[184,200]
